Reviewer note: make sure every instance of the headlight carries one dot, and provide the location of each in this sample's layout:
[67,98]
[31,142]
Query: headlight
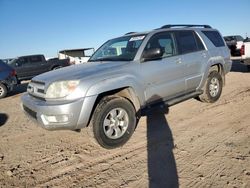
[61,89]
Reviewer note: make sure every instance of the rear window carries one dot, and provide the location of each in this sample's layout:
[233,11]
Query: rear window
[215,38]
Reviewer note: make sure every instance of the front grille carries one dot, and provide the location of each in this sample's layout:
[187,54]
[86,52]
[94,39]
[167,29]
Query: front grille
[40,91]
[30,112]
[37,89]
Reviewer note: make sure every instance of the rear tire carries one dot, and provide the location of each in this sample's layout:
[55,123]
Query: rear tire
[212,88]
[113,122]
[3,91]
[57,67]
[248,67]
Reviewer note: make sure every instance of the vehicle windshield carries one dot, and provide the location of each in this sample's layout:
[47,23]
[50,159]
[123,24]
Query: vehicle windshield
[119,49]
[12,62]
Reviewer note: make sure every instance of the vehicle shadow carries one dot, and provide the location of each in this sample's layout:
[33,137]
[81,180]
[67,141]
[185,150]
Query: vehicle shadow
[20,88]
[3,119]
[239,67]
[162,171]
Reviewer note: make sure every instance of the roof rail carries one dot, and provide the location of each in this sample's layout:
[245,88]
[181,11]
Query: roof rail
[185,25]
[130,33]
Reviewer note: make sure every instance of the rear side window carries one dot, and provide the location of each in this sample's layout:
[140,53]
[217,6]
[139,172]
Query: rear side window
[186,42]
[34,59]
[214,37]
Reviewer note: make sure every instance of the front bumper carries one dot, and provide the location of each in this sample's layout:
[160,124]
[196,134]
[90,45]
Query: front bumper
[11,82]
[246,61]
[72,114]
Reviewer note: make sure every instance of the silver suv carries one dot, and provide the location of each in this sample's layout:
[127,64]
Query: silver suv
[126,75]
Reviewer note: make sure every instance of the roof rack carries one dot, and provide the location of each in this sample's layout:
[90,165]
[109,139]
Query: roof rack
[130,33]
[185,25]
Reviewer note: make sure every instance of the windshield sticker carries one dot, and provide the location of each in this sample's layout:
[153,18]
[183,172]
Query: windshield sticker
[137,38]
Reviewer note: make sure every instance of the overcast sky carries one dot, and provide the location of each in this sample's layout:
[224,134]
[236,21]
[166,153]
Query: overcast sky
[47,26]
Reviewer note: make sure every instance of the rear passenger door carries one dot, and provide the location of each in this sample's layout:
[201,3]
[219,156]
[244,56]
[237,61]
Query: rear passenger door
[194,57]
[38,65]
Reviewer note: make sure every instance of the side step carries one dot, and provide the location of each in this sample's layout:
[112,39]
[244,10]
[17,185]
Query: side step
[182,98]
[170,102]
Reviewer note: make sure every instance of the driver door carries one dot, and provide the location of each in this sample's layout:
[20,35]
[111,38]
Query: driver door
[163,78]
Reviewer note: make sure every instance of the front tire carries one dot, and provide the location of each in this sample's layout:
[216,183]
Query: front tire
[113,122]
[3,90]
[212,88]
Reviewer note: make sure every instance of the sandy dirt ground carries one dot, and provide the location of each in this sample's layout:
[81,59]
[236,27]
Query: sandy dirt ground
[194,145]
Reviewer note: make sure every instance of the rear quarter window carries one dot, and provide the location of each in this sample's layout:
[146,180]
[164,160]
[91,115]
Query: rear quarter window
[215,38]
[199,43]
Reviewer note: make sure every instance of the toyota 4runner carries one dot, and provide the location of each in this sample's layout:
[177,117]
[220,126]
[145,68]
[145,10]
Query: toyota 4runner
[126,75]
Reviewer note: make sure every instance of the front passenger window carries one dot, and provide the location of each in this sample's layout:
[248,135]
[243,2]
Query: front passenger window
[164,41]
[22,62]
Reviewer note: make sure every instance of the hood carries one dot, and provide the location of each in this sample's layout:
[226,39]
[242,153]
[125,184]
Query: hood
[80,71]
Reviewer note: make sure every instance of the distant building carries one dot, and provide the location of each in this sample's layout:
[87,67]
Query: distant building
[76,56]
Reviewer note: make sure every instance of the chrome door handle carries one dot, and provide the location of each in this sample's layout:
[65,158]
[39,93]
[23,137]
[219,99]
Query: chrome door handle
[204,54]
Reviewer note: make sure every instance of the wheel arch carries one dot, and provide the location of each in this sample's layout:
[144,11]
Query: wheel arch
[217,66]
[55,66]
[125,92]
[123,86]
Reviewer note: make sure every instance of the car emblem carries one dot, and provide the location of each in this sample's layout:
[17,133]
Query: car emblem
[31,89]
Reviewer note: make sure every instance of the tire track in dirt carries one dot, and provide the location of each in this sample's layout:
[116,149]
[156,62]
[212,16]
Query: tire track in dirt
[216,134]
[81,166]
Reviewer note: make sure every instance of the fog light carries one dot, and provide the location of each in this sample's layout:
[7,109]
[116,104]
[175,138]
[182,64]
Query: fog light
[54,119]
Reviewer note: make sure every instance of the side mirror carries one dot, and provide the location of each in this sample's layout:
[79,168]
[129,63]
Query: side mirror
[17,64]
[152,54]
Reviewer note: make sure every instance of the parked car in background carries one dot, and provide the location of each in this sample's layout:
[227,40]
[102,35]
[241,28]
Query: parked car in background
[245,53]
[32,65]
[234,43]
[127,75]
[231,43]
[7,79]
[7,61]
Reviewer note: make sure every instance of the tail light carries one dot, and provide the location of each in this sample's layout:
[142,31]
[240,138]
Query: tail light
[242,50]
[13,73]
[69,62]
